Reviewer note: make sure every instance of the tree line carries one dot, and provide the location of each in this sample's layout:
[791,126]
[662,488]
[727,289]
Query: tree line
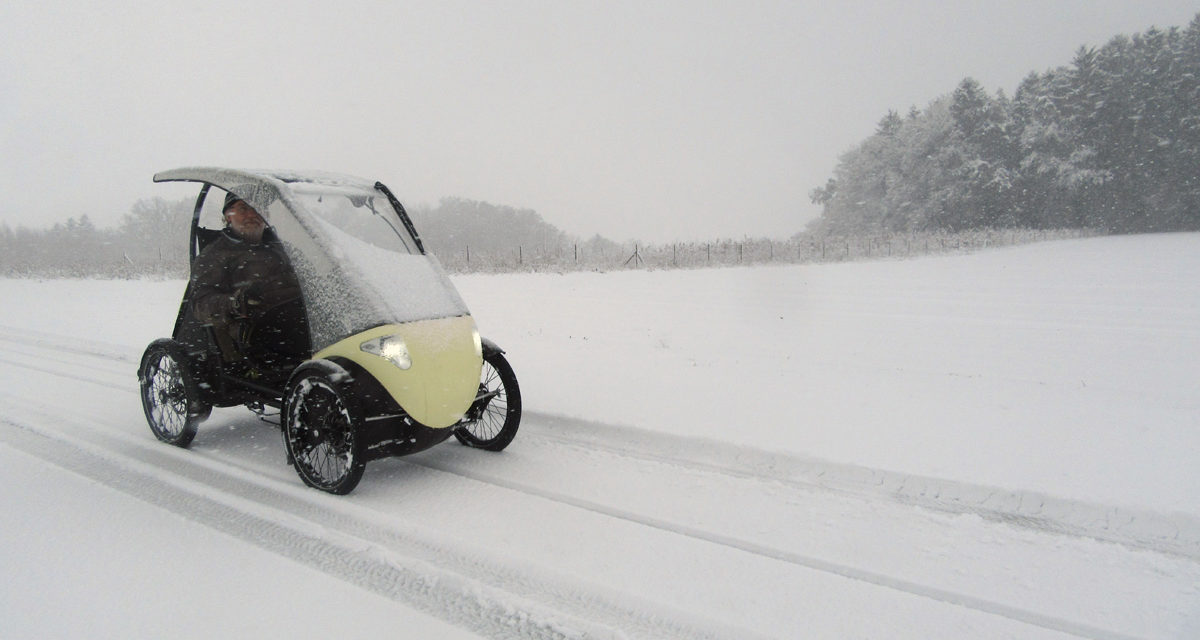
[152,239]
[467,237]
[1110,142]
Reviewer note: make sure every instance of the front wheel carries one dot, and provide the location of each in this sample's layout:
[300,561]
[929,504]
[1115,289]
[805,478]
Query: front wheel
[322,432]
[492,422]
[170,396]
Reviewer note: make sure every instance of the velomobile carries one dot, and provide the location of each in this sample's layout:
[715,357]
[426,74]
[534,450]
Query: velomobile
[375,353]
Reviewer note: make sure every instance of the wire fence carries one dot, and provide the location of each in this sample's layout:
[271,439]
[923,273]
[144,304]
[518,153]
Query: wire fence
[746,252]
[110,261]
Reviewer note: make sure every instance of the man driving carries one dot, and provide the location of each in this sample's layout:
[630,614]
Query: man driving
[246,289]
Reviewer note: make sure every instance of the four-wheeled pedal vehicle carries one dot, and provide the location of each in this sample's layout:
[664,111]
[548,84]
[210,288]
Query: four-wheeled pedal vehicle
[384,358]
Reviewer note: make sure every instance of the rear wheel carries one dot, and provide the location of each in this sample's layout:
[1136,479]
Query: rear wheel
[321,430]
[170,396]
[492,421]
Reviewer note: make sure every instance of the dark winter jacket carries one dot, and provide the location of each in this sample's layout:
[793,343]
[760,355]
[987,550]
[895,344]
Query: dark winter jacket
[239,286]
[229,266]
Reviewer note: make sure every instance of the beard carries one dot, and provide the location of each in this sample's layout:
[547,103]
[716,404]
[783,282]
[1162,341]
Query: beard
[254,234]
[249,230]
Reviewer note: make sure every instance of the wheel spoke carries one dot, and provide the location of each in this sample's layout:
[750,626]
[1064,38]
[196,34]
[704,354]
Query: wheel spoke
[321,435]
[168,395]
[169,404]
[493,420]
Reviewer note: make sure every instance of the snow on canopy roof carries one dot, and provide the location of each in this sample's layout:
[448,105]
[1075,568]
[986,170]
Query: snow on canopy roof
[348,285]
[226,178]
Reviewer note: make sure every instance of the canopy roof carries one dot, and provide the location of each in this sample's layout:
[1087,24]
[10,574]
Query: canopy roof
[226,178]
[350,279]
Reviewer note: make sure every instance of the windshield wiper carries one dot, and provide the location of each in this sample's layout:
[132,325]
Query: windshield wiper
[371,205]
[408,224]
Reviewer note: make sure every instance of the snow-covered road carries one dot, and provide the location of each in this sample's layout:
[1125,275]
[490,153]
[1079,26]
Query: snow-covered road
[581,529]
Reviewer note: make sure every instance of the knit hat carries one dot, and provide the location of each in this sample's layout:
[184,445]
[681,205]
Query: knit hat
[230,198]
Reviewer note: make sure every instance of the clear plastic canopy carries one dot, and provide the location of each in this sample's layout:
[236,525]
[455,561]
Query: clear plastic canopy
[358,265]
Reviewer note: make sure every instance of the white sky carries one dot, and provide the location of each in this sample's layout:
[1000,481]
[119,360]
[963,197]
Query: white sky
[637,120]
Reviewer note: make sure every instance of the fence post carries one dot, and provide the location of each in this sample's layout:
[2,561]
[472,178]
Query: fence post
[636,258]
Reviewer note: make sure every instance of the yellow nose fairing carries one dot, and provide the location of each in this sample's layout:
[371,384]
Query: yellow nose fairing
[443,380]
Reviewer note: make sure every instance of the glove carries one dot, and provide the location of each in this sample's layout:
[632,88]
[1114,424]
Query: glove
[247,301]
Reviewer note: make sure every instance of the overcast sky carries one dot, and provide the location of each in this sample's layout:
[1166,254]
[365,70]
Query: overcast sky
[645,120]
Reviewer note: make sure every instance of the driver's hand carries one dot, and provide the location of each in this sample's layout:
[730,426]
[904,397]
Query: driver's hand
[246,301]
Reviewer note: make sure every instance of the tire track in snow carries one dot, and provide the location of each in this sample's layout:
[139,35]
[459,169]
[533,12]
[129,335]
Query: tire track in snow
[465,587]
[73,360]
[521,612]
[71,376]
[46,350]
[1173,534]
[73,345]
[458,599]
[809,562]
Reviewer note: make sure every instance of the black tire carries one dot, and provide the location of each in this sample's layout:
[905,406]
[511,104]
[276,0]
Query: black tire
[492,422]
[322,430]
[170,396]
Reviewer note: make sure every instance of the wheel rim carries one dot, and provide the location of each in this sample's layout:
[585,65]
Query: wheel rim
[166,397]
[321,433]
[488,421]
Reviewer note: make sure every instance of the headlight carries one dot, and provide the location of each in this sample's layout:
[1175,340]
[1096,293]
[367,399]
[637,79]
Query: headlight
[478,343]
[390,348]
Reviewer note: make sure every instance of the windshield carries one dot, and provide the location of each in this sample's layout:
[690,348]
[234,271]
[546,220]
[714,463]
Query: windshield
[366,215]
[358,265]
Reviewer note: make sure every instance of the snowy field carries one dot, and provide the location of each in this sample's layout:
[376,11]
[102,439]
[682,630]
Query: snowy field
[995,445]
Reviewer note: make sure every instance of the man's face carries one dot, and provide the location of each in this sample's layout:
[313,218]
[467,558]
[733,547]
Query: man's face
[245,221]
